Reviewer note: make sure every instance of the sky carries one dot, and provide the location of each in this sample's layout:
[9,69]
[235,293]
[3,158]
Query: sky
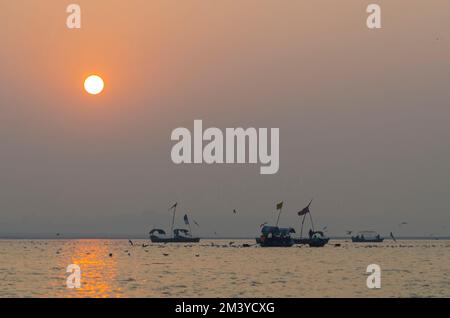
[363,114]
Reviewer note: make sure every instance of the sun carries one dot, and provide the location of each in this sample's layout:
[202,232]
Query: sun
[93,84]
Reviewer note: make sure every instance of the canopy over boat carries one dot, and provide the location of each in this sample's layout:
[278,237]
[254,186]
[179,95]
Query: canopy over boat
[275,230]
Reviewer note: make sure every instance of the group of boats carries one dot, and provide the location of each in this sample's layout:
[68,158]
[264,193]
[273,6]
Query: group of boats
[271,235]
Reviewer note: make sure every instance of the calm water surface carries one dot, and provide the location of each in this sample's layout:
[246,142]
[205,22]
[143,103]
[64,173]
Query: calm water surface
[214,268]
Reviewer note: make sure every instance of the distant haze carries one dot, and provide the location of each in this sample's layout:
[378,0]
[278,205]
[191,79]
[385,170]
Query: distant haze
[364,115]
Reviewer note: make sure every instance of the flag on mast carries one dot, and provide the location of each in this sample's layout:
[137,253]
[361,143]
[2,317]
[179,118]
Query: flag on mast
[173,206]
[304,210]
[279,205]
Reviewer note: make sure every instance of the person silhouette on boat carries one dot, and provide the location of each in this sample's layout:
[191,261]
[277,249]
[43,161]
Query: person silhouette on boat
[310,233]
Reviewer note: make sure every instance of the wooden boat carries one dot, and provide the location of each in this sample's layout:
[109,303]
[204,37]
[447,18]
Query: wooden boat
[315,238]
[367,237]
[273,236]
[178,235]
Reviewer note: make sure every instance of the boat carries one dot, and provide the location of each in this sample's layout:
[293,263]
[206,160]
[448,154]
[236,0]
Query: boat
[367,237]
[178,235]
[315,238]
[274,236]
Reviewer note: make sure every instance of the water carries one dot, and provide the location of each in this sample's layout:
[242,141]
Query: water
[214,269]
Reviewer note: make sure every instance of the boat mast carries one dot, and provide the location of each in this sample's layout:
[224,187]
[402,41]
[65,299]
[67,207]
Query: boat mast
[304,212]
[279,207]
[312,224]
[173,218]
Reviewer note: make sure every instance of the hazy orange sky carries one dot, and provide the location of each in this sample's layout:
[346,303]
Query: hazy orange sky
[364,115]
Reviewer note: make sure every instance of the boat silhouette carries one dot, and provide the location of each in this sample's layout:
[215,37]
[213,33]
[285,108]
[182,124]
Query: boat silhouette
[273,236]
[367,237]
[315,238]
[178,235]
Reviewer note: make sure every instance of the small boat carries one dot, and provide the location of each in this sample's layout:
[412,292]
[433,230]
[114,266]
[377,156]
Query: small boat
[367,237]
[315,239]
[273,236]
[178,235]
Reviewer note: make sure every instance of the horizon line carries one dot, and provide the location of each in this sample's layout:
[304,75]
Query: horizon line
[142,237]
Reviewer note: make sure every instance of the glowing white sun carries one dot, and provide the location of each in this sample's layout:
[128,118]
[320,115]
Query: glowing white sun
[94,84]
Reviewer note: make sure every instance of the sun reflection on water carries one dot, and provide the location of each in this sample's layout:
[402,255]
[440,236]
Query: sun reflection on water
[98,269]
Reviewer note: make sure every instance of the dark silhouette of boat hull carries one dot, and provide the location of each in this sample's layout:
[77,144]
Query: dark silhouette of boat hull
[156,239]
[364,240]
[275,242]
[302,241]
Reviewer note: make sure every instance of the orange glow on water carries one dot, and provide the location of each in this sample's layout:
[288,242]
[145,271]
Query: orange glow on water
[98,269]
